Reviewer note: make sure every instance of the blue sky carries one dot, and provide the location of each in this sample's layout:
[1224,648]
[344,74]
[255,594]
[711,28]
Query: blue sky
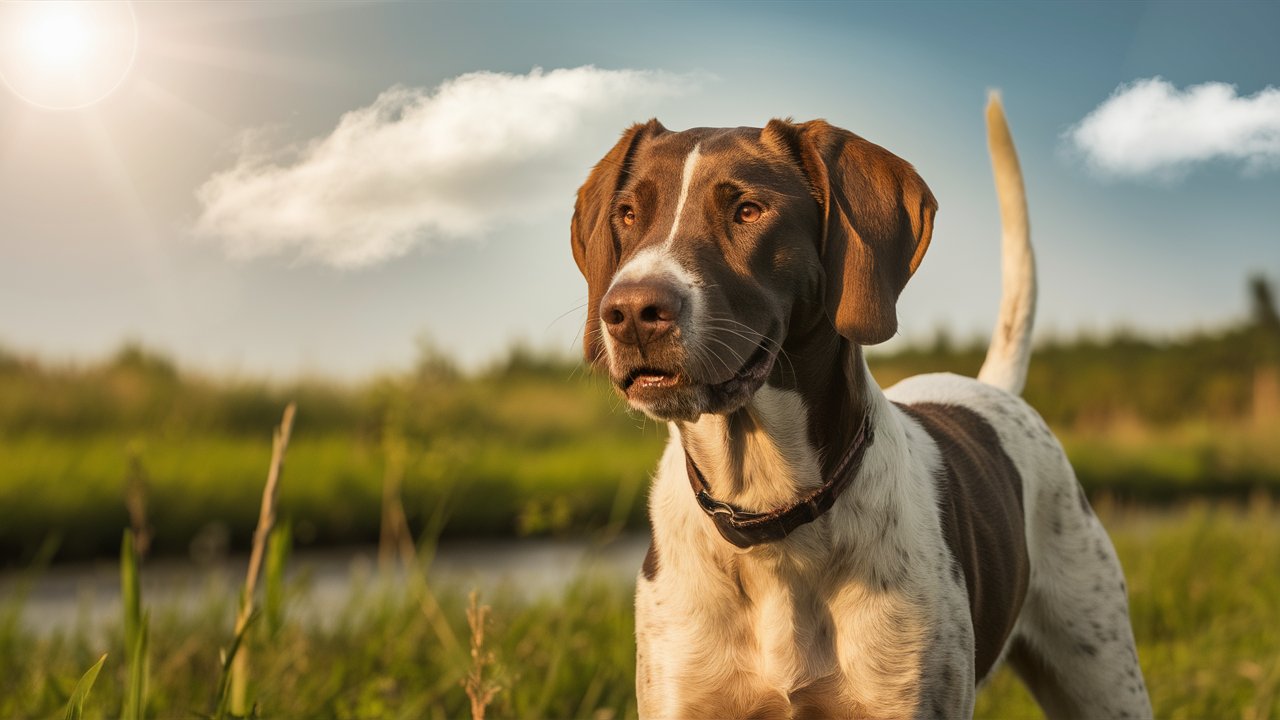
[156,214]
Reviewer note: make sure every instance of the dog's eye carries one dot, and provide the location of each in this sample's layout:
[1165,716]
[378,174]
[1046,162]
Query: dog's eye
[628,215]
[748,212]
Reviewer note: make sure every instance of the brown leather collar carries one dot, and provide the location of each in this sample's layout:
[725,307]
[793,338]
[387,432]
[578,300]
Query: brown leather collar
[745,529]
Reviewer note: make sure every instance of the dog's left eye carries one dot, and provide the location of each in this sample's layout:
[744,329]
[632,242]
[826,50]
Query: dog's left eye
[748,212]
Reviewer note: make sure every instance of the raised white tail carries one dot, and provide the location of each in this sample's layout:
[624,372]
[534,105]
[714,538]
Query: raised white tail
[1010,349]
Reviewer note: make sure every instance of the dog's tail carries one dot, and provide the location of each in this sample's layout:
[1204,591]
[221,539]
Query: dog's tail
[1010,350]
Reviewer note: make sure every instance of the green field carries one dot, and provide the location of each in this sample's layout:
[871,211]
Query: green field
[1202,579]
[533,445]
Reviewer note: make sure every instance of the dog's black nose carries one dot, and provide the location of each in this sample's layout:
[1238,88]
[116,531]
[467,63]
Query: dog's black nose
[641,311]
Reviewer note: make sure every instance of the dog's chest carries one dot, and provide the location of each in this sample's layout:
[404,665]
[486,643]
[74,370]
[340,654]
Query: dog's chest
[766,644]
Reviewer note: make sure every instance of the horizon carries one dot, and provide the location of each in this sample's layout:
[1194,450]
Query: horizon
[940,340]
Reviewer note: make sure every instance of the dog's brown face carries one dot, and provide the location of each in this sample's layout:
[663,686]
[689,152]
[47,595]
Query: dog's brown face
[706,250]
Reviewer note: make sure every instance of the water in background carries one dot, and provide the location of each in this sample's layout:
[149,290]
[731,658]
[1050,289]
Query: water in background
[88,595]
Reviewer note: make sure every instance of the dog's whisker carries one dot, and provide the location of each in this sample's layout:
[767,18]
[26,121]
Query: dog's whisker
[737,355]
[704,355]
[759,338]
[562,315]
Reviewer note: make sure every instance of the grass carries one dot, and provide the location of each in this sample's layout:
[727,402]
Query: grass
[381,657]
[75,704]
[1202,579]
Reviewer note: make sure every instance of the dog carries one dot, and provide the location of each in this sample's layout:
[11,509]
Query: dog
[821,547]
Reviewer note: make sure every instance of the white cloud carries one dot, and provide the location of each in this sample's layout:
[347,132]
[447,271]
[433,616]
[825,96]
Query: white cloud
[416,166]
[1150,128]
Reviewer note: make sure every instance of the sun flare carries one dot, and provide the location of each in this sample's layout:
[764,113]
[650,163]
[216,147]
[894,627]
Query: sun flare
[66,54]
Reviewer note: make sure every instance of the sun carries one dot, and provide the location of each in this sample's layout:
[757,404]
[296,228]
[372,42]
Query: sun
[66,55]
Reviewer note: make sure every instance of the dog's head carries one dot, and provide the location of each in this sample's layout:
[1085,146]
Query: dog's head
[704,250]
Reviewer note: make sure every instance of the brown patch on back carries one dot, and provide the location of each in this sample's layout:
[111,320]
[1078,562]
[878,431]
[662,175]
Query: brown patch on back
[980,497]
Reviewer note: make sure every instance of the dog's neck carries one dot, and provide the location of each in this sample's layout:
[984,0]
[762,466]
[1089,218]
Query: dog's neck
[789,438]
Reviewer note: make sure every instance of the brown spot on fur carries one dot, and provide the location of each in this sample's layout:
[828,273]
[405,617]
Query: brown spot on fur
[982,521]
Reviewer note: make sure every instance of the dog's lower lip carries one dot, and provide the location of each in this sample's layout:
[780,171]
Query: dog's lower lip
[649,378]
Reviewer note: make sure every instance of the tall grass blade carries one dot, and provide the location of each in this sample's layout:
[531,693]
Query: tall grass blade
[75,704]
[130,594]
[222,707]
[266,520]
[135,704]
[135,630]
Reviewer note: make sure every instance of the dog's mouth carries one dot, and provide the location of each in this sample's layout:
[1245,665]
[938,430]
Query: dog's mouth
[647,378]
[670,393]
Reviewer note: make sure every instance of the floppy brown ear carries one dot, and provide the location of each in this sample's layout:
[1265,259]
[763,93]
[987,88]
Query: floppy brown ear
[878,219]
[595,248]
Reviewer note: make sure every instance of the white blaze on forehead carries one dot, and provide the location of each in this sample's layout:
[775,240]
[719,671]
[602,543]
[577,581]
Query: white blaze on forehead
[690,162]
[658,261]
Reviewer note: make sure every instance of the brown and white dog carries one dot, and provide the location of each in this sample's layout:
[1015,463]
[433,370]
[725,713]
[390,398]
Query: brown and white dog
[822,547]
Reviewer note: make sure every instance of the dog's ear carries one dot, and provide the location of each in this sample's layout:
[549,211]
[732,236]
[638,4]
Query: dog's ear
[595,248]
[877,218]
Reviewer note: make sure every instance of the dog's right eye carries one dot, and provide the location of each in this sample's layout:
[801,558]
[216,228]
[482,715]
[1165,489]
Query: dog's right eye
[628,215]
[748,212]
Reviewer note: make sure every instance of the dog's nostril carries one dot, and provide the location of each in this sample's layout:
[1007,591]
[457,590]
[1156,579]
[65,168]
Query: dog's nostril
[637,312]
